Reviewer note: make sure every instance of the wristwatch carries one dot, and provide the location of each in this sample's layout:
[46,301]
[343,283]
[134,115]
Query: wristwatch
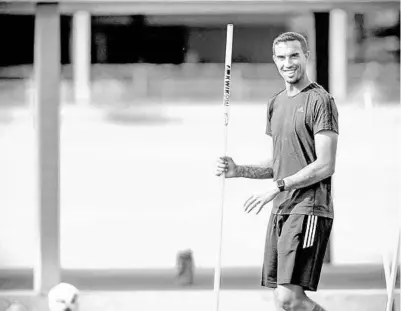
[280,184]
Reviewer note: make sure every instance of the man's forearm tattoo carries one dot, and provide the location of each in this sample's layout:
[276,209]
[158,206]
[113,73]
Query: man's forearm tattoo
[254,172]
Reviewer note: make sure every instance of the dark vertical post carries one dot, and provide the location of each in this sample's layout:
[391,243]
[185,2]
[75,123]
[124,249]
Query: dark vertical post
[322,25]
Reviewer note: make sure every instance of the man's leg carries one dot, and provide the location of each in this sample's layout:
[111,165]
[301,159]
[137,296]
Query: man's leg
[290,297]
[301,248]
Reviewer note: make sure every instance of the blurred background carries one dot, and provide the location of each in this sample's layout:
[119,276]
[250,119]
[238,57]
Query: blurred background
[141,88]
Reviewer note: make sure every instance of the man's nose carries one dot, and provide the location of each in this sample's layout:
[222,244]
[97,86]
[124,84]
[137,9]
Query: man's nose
[287,62]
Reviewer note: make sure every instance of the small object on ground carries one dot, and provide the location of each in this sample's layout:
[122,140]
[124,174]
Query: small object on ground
[63,297]
[185,267]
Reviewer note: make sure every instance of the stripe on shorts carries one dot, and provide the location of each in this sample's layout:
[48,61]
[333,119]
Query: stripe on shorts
[310,231]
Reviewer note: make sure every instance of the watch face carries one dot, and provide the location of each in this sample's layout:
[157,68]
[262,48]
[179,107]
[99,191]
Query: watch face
[280,184]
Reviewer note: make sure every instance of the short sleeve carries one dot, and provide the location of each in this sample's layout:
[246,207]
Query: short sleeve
[325,116]
[268,118]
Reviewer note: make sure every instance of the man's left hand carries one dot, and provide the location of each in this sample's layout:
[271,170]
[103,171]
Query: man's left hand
[260,200]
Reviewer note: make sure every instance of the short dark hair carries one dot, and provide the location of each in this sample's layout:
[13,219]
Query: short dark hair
[291,36]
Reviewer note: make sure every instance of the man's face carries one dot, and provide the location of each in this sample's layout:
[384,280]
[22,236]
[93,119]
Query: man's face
[290,61]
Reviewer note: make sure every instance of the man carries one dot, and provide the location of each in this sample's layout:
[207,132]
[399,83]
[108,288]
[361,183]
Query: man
[302,131]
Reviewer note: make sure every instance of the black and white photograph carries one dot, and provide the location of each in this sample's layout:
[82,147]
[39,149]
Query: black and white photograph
[200,155]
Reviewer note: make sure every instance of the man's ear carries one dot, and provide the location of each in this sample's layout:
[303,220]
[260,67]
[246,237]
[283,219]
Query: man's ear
[307,55]
[274,59]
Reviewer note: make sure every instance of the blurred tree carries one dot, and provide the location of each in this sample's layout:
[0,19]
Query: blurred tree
[360,36]
[392,31]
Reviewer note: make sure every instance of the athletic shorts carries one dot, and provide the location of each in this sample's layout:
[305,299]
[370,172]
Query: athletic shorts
[294,250]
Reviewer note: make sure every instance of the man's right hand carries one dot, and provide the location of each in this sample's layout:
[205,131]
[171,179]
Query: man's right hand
[227,166]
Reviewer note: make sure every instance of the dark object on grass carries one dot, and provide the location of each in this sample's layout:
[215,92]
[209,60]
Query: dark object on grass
[185,268]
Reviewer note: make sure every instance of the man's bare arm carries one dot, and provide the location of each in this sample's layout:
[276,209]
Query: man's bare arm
[263,170]
[322,168]
[254,172]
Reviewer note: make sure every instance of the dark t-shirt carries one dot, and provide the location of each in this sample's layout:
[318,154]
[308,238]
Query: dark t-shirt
[292,122]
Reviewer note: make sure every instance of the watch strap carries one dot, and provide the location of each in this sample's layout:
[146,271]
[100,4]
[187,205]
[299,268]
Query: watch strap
[280,184]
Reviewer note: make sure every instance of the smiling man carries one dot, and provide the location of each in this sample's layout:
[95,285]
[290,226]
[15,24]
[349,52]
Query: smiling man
[302,131]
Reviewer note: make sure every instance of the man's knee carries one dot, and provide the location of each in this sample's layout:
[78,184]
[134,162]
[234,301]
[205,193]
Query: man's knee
[284,300]
[289,297]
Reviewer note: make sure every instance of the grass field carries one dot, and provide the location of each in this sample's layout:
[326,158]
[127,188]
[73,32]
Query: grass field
[137,185]
[141,179]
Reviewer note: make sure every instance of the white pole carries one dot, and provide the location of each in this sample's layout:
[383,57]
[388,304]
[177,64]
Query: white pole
[226,103]
[82,56]
[338,54]
[47,100]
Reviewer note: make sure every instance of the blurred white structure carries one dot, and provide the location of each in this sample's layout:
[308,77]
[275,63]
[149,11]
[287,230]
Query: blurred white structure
[338,54]
[47,82]
[81,56]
